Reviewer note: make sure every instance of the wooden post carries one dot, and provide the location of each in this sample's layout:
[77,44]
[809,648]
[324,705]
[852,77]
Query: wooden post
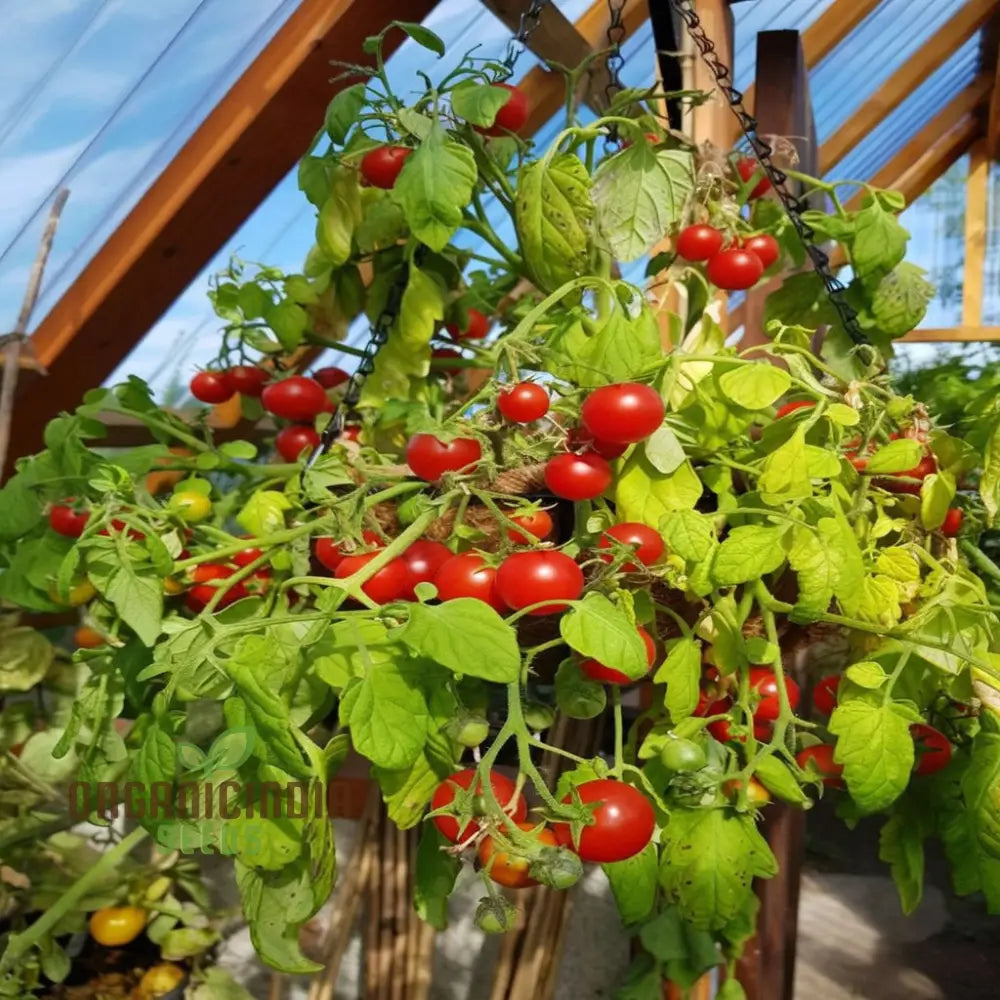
[977,191]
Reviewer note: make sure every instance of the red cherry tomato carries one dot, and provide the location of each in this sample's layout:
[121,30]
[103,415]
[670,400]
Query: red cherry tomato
[391,583]
[699,242]
[821,756]
[648,543]
[476,328]
[248,380]
[423,559]
[579,440]
[291,441]
[608,675]
[765,246]
[623,825]
[513,115]
[952,523]
[380,167]
[198,596]
[523,403]
[328,552]
[297,398]
[330,378]
[526,578]
[468,575]
[911,481]
[825,693]
[212,387]
[722,729]
[430,458]
[577,477]
[504,790]
[537,524]
[66,521]
[747,167]
[765,682]
[247,556]
[800,404]
[509,869]
[933,749]
[622,413]
[735,269]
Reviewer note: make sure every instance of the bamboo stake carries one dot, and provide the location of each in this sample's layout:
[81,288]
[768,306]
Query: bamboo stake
[374,916]
[386,917]
[425,960]
[277,990]
[14,341]
[401,917]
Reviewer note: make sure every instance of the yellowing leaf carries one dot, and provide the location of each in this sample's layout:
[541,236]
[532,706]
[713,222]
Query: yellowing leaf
[644,494]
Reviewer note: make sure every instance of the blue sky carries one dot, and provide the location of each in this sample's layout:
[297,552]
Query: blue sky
[100,94]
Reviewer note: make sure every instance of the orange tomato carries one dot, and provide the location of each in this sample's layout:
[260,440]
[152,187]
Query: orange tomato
[511,869]
[88,638]
[114,926]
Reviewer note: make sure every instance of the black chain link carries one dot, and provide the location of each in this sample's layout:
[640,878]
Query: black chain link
[529,21]
[763,151]
[615,61]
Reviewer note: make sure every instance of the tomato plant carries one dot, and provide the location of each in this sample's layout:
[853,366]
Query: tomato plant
[508,530]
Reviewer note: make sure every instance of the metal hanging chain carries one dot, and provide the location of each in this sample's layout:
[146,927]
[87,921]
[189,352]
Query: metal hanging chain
[526,26]
[615,61]
[793,206]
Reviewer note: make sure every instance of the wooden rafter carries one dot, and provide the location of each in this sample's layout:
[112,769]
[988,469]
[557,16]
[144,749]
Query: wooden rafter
[977,196]
[826,33]
[993,122]
[957,334]
[887,97]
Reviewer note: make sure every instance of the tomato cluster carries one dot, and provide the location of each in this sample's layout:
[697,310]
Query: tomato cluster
[735,267]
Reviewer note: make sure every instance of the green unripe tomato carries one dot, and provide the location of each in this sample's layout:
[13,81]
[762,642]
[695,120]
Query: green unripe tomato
[496,916]
[682,756]
[469,730]
[538,716]
[190,506]
[556,867]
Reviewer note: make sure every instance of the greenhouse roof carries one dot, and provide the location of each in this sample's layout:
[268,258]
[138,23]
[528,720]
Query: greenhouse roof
[101,95]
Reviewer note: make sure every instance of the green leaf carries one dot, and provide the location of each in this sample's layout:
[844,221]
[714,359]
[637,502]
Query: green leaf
[338,218]
[217,984]
[467,636]
[785,474]
[936,495]
[989,480]
[422,36]
[478,103]
[981,792]
[407,791]
[435,184]
[264,512]
[756,386]
[817,566]
[434,878]
[689,534]
[186,942]
[685,952]
[639,194]
[681,672]
[900,299]
[644,494]
[342,112]
[900,455]
[801,300]
[383,225]
[776,777]
[867,674]
[664,452]
[289,321]
[633,884]
[25,658]
[597,628]
[749,552]
[554,216]
[901,846]
[134,589]
[875,747]
[898,563]
[972,869]
[731,989]
[643,982]
[708,862]
[576,694]
[879,243]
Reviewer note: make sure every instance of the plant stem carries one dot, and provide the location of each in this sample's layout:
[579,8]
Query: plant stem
[19,944]
[616,698]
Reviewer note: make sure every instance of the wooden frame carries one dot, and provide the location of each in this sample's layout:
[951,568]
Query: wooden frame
[956,334]
[977,196]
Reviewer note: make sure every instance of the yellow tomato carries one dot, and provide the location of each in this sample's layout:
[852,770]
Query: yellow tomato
[172,586]
[78,594]
[190,506]
[114,926]
[160,979]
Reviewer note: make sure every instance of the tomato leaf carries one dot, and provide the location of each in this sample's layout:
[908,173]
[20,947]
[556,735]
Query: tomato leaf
[756,386]
[901,846]
[900,455]
[434,878]
[936,495]
[134,589]
[685,952]
[554,216]
[644,494]
[748,553]
[264,512]
[785,474]
[435,184]
[633,884]
[708,862]
[689,534]
[25,658]
[576,694]
[407,791]
[597,628]
[878,244]
[664,452]
[989,480]
[818,567]
[639,194]
[422,36]
[867,674]
[681,672]
[900,299]
[342,112]
[466,636]
[338,217]
[981,791]
[478,103]
[875,747]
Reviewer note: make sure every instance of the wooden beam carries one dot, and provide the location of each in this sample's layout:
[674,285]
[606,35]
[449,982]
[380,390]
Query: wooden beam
[887,97]
[245,146]
[825,34]
[977,193]
[713,121]
[546,89]
[954,335]
[993,121]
